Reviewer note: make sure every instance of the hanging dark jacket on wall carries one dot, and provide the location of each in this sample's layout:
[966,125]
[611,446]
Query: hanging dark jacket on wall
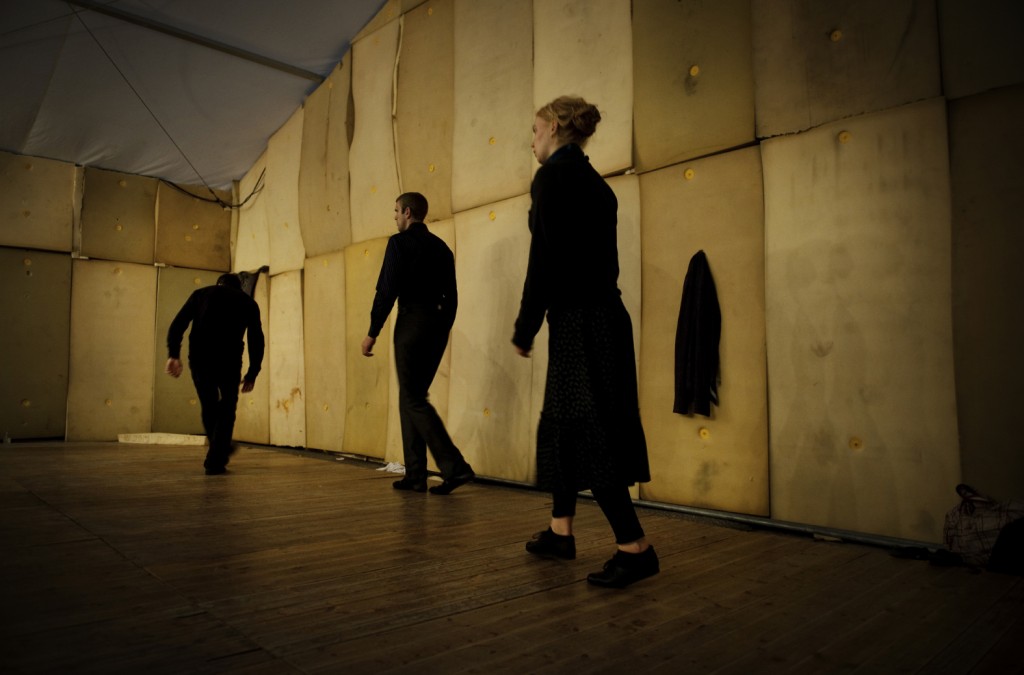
[697,337]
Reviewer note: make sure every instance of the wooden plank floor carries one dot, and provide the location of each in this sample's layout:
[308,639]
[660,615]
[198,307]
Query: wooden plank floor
[127,559]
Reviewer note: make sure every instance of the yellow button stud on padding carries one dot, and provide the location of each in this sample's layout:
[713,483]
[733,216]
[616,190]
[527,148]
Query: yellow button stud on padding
[694,70]
[689,174]
[704,433]
[836,35]
[856,443]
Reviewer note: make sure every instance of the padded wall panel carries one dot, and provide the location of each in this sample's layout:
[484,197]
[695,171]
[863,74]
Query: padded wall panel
[367,379]
[252,422]
[284,150]
[35,304]
[110,383]
[490,395]
[715,205]
[987,162]
[118,216]
[860,359]
[816,62]
[391,10]
[373,172]
[493,101]
[324,329]
[439,389]
[694,89]
[193,231]
[286,361]
[323,174]
[585,48]
[425,105]
[251,244]
[37,202]
[175,404]
[981,45]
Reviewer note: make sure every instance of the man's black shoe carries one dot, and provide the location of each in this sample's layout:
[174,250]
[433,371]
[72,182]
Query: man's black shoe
[450,484]
[406,484]
[216,470]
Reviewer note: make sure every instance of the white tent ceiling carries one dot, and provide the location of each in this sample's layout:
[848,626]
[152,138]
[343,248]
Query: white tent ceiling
[184,90]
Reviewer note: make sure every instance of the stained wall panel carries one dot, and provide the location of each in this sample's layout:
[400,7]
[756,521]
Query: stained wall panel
[816,62]
[584,48]
[175,404]
[323,173]
[859,326]
[489,409]
[439,389]
[37,202]
[193,230]
[425,105]
[36,303]
[284,150]
[324,330]
[286,361]
[252,421]
[374,174]
[987,163]
[981,46]
[693,79]
[110,383]
[251,245]
[366,409]
[715,205]
[493,101]
[118,216]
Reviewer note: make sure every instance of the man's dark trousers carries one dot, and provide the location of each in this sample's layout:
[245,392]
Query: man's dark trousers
[421,335]
[217,385]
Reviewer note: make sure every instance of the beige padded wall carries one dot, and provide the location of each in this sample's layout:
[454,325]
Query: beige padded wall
[987,163]
[715,205]
[493,101]
[425,105]
[815,62]
[324,330]
[584,48]
[981,45]
[193,230]
[286,361]
[373,173]
[391,10]
[284,150]
[37,202]
[366,408]
[323,174]
[175,405]
[860,354]
[252,422]
[439,389]
[110,383]
[118,216]
[489,409]
[693,88]
[35,304]
[251,247]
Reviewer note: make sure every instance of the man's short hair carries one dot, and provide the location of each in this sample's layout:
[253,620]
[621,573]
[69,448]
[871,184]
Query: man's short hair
[231,280]
[415,202]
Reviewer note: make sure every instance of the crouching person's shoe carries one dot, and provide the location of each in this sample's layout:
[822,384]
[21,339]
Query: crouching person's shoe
[547,544]
[626,568]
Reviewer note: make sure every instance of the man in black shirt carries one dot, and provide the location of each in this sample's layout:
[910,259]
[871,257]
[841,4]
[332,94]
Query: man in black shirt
[419,272]
[220,316]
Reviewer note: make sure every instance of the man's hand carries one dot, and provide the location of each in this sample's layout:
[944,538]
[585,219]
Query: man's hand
[525,353]
[368,343]
[247,385]
[173,367]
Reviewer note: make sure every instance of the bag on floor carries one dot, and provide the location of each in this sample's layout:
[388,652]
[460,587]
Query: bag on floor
[973,526]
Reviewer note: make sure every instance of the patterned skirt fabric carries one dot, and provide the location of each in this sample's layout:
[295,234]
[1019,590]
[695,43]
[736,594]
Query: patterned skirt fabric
[590,435]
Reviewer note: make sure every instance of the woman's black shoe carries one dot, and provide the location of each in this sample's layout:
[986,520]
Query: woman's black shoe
[625,568]
[550,545]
